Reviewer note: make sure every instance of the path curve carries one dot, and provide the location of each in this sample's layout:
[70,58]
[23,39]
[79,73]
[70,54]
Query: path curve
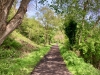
[51,64]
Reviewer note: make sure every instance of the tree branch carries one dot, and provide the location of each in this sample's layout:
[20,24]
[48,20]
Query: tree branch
[17,19]
[5,6]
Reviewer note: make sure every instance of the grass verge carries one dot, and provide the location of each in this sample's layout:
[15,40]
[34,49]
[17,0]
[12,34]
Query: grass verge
[11,64]
[76,65]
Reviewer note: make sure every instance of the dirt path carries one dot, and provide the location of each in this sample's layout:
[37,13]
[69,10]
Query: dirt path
[51,64]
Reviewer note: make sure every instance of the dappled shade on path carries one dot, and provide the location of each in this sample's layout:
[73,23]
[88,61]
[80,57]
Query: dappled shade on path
[51,64]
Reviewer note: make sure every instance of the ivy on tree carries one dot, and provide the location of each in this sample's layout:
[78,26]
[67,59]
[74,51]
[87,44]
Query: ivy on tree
[70,30]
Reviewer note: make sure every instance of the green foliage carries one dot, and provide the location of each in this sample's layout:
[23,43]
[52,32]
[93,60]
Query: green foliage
[70,30]
[89,45]
[76,65]
[50,21]
[22,39]
[86,40]
[11,43]
[33,30]
[6,54]
[91,50]
[9,49]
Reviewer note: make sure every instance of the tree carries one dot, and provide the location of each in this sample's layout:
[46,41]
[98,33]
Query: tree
[32,29]
[7,27]
[50,21]
[70,31]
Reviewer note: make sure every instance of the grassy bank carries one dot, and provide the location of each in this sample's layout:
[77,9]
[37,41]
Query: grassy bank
[19,55]
[11,64]
[76,65]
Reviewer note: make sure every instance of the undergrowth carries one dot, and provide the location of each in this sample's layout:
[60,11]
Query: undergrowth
[76,65]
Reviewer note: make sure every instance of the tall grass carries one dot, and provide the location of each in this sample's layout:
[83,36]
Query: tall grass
[76,65]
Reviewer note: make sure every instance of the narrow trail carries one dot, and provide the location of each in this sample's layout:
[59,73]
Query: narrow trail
[51,64]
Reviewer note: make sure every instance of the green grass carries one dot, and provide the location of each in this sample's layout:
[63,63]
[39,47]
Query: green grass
[11,64]
[76,65]
[19,37]
[19,55]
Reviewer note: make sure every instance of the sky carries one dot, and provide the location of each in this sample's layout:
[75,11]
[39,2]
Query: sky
[33,9]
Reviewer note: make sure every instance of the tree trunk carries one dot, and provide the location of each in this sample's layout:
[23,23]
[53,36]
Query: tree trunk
[81,32]
[46,34]
[46,37]
[96,23]
[85,7]
[7,27]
